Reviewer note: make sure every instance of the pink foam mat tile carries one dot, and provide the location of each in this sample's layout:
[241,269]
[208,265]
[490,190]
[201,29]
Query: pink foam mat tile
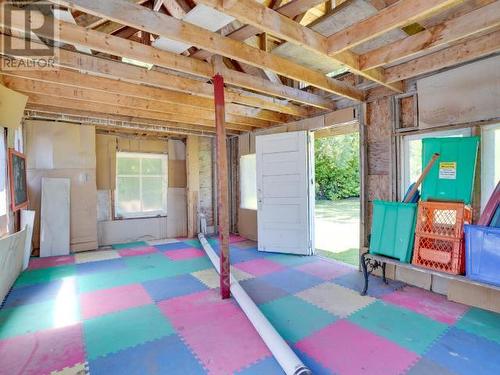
[137,251]
[37,263]
[325,270]
[188,253]
[345,348]
[432,305]
[101,302]
[233,238]
[216,330]
[259,267]
[42,352]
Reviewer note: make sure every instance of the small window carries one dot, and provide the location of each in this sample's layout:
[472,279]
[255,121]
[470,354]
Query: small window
[141,185]
[412,153]
[490,161]
[248,182]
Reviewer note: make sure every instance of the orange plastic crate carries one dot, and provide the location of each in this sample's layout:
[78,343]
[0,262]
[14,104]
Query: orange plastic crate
[440,254]
[442,219]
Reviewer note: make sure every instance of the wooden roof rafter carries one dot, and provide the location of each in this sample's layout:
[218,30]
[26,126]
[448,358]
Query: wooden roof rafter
[169,27]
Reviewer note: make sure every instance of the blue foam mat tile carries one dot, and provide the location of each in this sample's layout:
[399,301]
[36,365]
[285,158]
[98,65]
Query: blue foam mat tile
[168,355]
[291,280]
[261,292]
[100,266]
[268,366]
[32,294]
[428,367]
[465,353]
[376,286]
[170,287]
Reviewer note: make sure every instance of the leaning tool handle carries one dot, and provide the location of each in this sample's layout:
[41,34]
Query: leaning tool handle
[422,177]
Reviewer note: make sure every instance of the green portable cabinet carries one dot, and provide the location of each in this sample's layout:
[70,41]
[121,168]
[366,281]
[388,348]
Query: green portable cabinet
[393,229]
[451,178]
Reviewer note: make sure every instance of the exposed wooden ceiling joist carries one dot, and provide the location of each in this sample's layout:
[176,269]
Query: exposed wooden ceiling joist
[477,21]
[182,100]
[167,111]
[402,13]
[145,19]
[275,23]
[458,54]
[63,102]
[97,41]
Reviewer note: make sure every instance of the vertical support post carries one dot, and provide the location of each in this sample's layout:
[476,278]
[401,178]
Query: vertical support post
[223,194]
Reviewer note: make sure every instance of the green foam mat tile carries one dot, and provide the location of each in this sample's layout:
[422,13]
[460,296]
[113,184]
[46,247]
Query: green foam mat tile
[113,332]
[482,323]
[406,328]
[147,261]
[129,245]
[294,318]
[44,275]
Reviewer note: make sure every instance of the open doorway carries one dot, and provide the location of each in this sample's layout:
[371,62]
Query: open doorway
[337,188]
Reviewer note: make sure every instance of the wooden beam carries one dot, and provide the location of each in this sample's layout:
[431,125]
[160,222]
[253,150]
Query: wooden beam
[78,80]
[144,19]
[402,13]
[160,110]
[222,186]
[477,21]
[270,21]
[90,21]
[458,54]
[157,5]
[119,119]
[74,34]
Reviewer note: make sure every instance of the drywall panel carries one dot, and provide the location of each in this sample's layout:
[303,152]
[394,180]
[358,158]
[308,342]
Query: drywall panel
[11,261]
[421,279]
[474,294]
[247,223]
[56,145]
[466,94]
[130,230]
[106,161]
[55,217]
[177,173]
[176,212]
[27,223]
[83,206]
[12,106]
[205,196]
[103,205]
[141,145]
[176,150]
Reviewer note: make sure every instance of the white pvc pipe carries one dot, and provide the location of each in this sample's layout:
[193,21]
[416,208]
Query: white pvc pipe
[285,356]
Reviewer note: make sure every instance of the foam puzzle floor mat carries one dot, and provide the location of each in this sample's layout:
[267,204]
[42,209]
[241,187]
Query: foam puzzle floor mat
[154,308]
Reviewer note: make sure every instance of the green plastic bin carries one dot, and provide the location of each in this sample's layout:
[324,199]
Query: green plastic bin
[451,178]
[393,229]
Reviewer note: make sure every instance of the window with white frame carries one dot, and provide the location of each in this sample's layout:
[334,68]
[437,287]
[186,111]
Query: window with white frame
[412,153]
[141,185]
[248,182]
[490,161]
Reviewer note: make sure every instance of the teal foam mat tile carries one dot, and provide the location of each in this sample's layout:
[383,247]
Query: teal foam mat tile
[481,322]
[129,245]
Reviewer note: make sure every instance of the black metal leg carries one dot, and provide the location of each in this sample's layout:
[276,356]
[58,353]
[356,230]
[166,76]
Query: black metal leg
[383,274]
[365,273]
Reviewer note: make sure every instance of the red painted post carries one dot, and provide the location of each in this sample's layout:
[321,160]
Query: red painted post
[223,194]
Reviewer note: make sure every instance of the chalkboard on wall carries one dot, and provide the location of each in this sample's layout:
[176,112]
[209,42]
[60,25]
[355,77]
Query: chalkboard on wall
[17,175]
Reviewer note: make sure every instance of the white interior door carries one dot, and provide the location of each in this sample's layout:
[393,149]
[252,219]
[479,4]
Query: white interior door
[284,189]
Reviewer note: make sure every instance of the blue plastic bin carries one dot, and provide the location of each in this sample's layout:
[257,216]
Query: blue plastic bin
[482,254]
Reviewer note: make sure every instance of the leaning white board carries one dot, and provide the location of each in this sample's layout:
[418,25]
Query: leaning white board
[27,221]
[55,217]
[284,183]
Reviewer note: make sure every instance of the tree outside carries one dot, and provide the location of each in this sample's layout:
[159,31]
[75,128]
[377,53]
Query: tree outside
[337,174]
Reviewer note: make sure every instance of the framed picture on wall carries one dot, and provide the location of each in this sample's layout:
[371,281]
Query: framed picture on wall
[17,176]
